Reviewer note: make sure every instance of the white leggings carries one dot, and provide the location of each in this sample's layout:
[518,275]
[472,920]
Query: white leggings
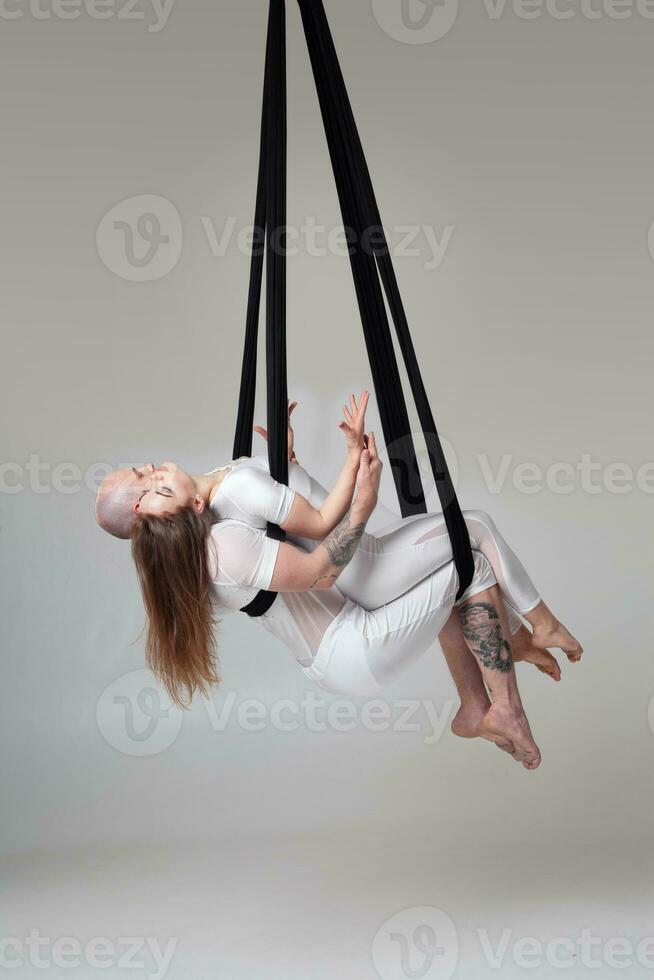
[363,651]
[386,567]
[402,588]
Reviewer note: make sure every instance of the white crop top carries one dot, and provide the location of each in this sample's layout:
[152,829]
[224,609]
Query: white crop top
[242,558]
[248,493]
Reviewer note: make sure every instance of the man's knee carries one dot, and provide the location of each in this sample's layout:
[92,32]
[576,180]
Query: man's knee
[480,517]
[484,577]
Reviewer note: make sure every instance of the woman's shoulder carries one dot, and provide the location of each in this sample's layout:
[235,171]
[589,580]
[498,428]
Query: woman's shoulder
[247,472]
[243,462]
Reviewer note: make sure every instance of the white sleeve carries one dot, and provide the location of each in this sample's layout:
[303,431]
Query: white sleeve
[246,555]
[308,487]
[255,492]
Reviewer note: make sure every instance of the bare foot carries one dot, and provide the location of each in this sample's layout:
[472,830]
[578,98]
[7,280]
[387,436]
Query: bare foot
[556,635]
[469,723]
[509,723]
[524,651]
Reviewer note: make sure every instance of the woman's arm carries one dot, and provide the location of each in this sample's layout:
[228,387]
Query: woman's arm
[315,523]
[297,571]
[307,521]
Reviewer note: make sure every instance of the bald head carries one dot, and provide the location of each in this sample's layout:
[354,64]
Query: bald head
[114,507]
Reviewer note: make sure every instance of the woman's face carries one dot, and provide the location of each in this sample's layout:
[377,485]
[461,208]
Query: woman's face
[165,490]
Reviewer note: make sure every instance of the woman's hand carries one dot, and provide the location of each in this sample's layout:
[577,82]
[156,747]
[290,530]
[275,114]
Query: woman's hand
[354,426]
[369,477]
[292,458]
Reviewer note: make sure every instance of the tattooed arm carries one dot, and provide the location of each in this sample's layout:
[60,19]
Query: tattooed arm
[297,571]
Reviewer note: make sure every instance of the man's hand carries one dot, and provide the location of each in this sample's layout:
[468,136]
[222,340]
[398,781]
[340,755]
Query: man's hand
[354,426]
[369,477]
[292,458]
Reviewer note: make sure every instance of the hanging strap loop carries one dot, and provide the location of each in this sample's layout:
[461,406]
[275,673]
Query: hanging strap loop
[360,212]
[373,271]
[270,219]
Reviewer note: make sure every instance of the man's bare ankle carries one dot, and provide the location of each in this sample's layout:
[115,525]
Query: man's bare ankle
[509,700]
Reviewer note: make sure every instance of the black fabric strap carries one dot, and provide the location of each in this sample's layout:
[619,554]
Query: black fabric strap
[370,260]
[269,226]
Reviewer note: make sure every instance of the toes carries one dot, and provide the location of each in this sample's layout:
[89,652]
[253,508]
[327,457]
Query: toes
[546,663]
[549,665]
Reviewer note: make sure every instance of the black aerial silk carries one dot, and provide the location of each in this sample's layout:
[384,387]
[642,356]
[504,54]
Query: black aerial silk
[372,269]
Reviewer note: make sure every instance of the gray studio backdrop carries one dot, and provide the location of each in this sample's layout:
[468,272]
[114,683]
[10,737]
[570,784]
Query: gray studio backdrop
[512,156]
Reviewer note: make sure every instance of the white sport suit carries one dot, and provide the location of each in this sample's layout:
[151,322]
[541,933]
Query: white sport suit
[389,604]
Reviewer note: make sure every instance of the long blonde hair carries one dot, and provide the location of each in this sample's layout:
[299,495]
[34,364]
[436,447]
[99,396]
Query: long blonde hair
[170,554]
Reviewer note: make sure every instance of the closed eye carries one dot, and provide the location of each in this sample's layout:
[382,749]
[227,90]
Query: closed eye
[160,492]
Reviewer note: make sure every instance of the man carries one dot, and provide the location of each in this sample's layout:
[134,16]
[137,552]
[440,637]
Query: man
[118,503]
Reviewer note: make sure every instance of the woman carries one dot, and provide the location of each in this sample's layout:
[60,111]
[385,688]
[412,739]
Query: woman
[394,593]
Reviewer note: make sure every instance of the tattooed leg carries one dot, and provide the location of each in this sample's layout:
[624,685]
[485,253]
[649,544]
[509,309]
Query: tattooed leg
[465,672]
[483,632]
[483,621]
